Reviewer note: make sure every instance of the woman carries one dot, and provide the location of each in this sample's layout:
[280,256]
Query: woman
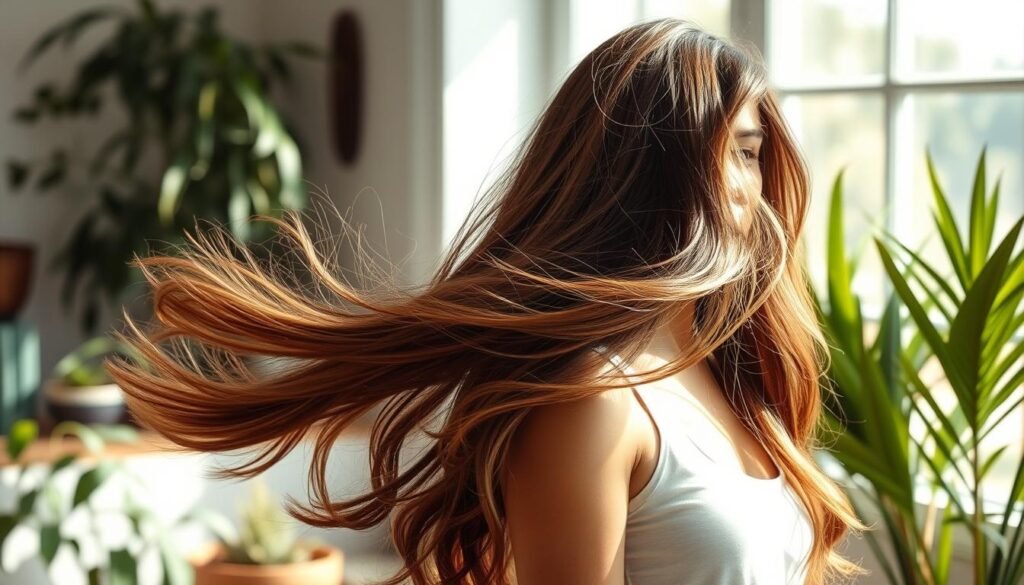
[619,358]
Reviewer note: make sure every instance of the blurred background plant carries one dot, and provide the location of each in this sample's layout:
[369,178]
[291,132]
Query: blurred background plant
[266,534]
[200,140]
[894,429]
[46,510]
[84,365]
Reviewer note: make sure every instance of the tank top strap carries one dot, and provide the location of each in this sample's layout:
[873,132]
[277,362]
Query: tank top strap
[618,361]
[681,429]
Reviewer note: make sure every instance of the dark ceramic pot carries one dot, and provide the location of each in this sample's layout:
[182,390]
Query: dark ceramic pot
[103,404]
[15,275]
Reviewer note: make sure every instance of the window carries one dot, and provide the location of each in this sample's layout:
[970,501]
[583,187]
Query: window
[868,85]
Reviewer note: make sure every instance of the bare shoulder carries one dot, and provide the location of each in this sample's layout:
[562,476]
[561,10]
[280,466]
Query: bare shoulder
[566,486]
[579,432]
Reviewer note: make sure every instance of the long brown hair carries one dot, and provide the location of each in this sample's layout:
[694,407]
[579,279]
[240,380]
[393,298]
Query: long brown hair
[609,217]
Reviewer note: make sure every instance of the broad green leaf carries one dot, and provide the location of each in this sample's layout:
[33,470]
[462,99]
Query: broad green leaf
[1008,409]
[945,421]
[886,423]
[17,174]
[78,360]
[117,433]
[67,30]
[239,205]
[995,374]
[172,186]
[289,162]
[205,129]
[944,548]
[990,531]
[981,236]
[936,284]
[1003,326]
[256,110]
[990,461]
[49,542]
[842,305]
[956,378]
[92,479]
[21,435]
[947,227]
[27,503]
[54,499]
[906,546]
[887,345]
[176,569]
[965,333]
[260,199]
[7,524]
[992,211]
[89,437]
[123,568]
[859,459]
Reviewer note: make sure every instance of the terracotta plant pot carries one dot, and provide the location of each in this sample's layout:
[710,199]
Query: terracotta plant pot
[15,274]
[326,567]
[103,404]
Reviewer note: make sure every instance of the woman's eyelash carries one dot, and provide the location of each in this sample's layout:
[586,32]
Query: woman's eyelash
[752,155]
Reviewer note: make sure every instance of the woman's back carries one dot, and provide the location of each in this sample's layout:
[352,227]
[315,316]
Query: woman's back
[636,486]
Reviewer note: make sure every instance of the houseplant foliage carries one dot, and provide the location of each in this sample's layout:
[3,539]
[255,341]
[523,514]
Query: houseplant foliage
[266,534]
[200,139]
[264,548]
[966,318]
[81,390]
[43,508]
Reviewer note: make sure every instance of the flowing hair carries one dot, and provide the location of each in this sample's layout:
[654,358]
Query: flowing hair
[611,216]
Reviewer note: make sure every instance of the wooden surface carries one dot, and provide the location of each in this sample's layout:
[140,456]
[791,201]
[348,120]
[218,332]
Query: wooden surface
[48,450]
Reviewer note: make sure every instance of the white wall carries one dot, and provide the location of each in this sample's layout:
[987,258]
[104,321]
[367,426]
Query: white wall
[394,183]
[495,84]
[45,220]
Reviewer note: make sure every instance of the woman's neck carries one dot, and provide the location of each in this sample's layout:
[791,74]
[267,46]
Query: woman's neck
[672,336]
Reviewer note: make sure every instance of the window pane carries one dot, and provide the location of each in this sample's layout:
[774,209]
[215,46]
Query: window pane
[821,42]
[710,15]
[835,132]
[593,21]
[955,126]
[940,36]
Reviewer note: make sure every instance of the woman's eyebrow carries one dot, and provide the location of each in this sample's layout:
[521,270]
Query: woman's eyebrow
[750,133]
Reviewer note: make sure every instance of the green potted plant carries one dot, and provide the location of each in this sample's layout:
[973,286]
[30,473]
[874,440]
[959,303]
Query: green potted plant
[44,508]
[81,390]
[265,551]
[963,319]
[200,139]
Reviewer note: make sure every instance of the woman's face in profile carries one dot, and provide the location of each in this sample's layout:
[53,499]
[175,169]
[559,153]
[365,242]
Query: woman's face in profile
[745,165]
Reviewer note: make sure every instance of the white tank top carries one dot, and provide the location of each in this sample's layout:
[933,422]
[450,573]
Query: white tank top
[701,520]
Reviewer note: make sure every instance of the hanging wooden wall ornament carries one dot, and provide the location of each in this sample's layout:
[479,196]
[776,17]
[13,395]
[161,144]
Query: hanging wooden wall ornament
[346,85]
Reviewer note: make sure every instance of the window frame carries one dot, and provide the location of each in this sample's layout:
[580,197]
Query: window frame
[753,21]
